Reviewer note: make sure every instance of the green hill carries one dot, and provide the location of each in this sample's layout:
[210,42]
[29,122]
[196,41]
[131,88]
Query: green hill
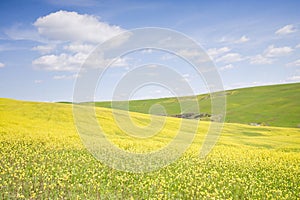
[274,105]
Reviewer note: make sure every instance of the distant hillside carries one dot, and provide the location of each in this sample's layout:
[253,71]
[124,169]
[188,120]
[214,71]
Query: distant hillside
[275,105]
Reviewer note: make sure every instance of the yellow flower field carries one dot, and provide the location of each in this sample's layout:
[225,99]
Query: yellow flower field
[42,157]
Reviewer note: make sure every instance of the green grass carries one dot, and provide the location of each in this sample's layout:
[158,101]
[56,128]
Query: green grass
[42,157]
[275,105]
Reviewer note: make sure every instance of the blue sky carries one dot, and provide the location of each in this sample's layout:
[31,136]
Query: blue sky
[43,43]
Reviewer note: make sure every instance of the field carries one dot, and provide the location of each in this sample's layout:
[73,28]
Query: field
[275,105]
[42,157]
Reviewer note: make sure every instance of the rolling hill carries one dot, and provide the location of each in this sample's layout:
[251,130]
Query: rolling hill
[274,105]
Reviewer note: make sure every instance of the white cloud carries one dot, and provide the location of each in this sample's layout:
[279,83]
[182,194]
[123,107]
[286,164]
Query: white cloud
[214,52]
[286,30]
[189,53]
[147,51]
[79,33]
[194,55]
[62,62]
[230,58]
[61,77]
[243,39]
[295,63]
[270,54]
[273,51]
[71,26]
[226,67]
[231,40]
[2,65]
[19,32]
[260,59]
[38,81]
[118,62]
[79,47]
[298,46]
[67,62]
[186,77]
[294,78]
[44,49]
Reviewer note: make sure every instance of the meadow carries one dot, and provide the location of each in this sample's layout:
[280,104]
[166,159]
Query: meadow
[42,157]
[274,105]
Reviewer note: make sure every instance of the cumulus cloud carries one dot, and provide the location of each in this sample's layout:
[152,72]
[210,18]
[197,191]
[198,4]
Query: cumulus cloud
[189,53]
[194,55]
[147,51]
[19,32]
[38,81]
[298,46]
[295,63]
[2,65]
[61,77]
[243,39]
[260,59]
[44,49]
[186,77]
[72,63]
[62,62]
[71,26]
[76,35]
[270,54]
[226,67]
[273,51]
[230,58]
[286,30]
[232,40]
[79,47]
[215,52]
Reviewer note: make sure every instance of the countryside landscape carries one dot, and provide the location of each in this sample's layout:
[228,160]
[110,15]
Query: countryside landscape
[43,157]
[212,113]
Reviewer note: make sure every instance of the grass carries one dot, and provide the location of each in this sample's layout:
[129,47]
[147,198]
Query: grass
[42,157]
[275,105]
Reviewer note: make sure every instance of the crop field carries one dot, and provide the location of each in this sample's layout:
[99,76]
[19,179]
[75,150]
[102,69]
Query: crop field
[42,157]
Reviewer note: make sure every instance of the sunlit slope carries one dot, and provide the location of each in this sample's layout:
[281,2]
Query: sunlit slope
[45,120]
[42,157]
[275,105]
